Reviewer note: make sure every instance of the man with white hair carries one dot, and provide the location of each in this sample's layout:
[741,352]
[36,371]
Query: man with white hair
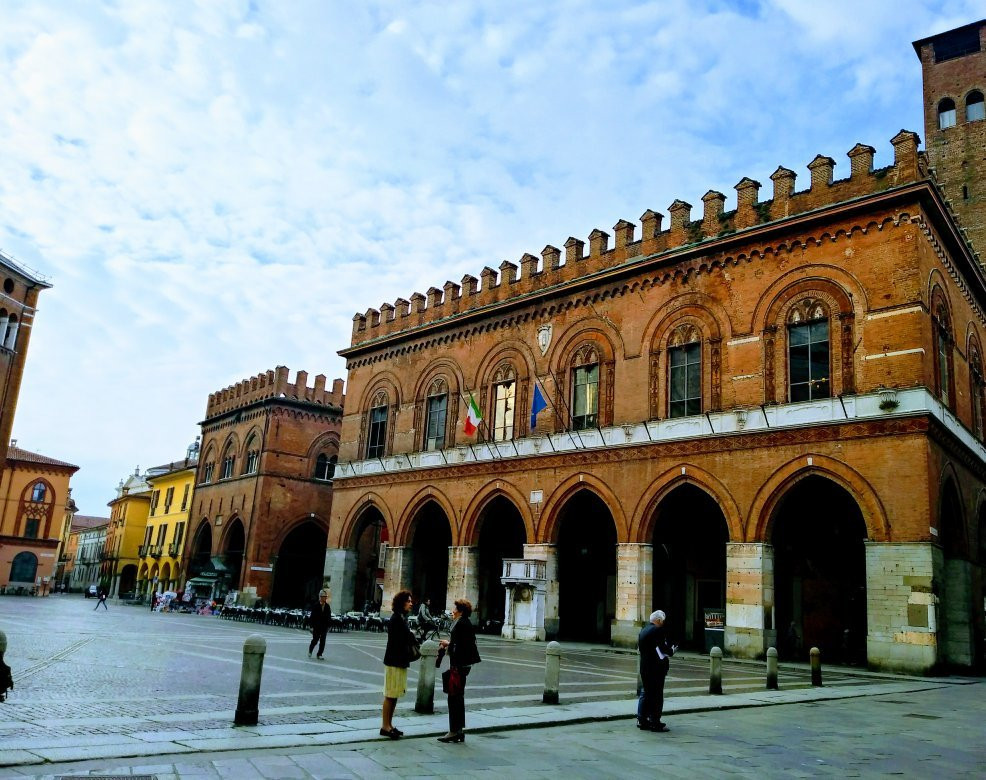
[655,659]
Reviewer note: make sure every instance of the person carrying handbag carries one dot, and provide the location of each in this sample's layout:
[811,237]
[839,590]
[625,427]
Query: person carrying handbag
[462,655]
[402,648]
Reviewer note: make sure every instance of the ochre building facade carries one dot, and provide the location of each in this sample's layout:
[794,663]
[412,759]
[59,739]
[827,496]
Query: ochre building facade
[260,509]
[768,419]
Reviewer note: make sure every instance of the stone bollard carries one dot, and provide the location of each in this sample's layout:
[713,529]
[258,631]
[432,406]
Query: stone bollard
[816,667]
[715,670]
[3,643]
[425,703]
[552,672]
[771,668]
[248,706]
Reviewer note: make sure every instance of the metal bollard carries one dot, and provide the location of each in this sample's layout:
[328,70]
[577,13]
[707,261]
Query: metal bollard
[816,667]
[715,671]
[248,706]
[771,668]
[425,703]
[552,672]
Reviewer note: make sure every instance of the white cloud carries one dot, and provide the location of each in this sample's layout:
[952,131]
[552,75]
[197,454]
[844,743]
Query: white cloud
[215,188]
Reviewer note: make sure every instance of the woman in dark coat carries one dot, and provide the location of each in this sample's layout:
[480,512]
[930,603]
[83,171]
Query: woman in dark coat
[396,659]
[462,654]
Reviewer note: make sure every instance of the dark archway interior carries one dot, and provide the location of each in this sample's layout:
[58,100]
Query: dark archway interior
[501,535]
[690,537]
[586,569]
[429,562]
[367,592]
[820,573]
[128,579]
[299,567]
[233,554]
[201,551]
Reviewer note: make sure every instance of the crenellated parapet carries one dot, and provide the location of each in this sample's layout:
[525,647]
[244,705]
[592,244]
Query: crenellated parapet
[556,266]
[275,384]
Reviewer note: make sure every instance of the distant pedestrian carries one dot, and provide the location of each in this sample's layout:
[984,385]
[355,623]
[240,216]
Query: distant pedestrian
[102,600]
[426,622]
[396,659]
[462,655]
[655,660]
[319,623]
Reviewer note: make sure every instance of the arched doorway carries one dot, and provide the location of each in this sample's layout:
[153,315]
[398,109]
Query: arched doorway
[818,535]
[690,537]
[201,550]
[501,535]
[586,569]
[24,568]
[430,544]
[955,610]
[128,579]
[300,566]
[371,532]
[235,544]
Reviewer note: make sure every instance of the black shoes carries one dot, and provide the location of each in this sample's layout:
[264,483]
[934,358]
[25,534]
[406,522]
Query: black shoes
[392,734]
[458,736]
[644,726]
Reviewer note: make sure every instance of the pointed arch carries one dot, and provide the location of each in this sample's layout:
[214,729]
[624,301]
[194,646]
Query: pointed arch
[642,524]
[350,526]
[469,534]
[428,494]
[765,502]
[548,531]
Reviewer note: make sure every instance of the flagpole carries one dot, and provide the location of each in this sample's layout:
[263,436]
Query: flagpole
[557,415]
[479,428]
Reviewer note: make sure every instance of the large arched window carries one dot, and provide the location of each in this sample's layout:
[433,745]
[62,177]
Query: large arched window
[942,336]
[946,113]
[325,467]
[504,402]
[24,567]
[436,411]
[376,430]
[252,456]
[809,366]
[975,108]
[585,388]
[228,462]
[685,372]
[39,491]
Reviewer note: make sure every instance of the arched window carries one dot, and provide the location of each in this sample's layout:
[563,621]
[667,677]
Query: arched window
[436,409]
[946,113]
[685,372]
[977,385]
[376,433]
[808,351]
[942,333]
[207,471]
[325,467]
[10,340]
[975,108]
[24,567]
[504,402]
[252,456]
[39,491]
[585,388]
[228,461]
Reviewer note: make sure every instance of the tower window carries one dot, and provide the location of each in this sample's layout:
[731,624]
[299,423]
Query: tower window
[946,113]
[975,108]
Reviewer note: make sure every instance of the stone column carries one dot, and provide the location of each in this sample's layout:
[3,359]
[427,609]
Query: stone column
[549,554]
[507,632]
[901,606]
[397,572]
[340,570]
[634,592]
[750,628]
[463,576]
[955,614]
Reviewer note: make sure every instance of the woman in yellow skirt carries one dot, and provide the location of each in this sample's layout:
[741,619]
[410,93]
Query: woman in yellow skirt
[396,660]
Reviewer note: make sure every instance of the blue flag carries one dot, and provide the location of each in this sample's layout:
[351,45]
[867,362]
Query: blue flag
[537,405]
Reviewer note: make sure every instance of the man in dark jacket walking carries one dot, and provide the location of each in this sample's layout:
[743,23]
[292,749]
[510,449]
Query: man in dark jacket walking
[319,622]
[655,660]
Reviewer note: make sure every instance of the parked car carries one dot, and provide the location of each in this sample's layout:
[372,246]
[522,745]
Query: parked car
[92,592]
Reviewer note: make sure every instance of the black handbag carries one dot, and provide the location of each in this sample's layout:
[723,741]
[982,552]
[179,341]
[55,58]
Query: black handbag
[413,649]
[453,682]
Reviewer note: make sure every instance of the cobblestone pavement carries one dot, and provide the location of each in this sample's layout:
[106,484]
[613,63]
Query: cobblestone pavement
[932,733]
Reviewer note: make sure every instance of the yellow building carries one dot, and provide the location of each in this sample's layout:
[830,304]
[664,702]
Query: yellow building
[171,487]
[128,523]
[35,499]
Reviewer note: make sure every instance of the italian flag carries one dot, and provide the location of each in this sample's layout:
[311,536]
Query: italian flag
[473,417]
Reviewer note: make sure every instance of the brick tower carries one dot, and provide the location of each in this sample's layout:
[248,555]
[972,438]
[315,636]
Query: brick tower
[953,64]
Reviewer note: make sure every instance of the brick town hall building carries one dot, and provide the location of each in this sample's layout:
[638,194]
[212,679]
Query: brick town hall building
[776,411]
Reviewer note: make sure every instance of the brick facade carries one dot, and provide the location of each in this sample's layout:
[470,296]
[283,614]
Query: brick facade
[734,502]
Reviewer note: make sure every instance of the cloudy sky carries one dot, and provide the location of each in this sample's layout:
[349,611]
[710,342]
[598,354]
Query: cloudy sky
[214,188]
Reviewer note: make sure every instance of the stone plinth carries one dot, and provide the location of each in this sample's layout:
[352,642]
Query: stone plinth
[340,570]
[463,575]
[750,628]
[549,554]
[634,592]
